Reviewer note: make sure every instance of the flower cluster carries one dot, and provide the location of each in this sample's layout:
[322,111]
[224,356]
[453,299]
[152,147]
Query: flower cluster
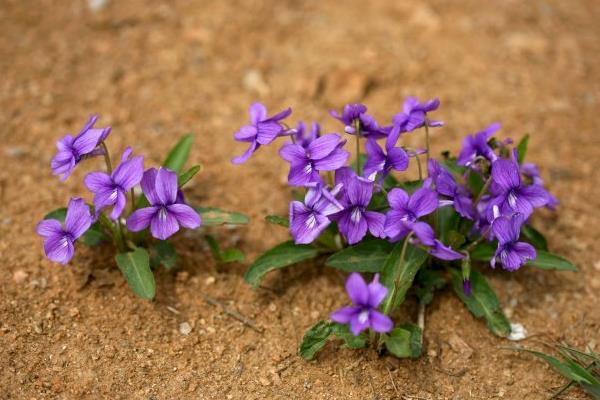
[121,212]
[455,211]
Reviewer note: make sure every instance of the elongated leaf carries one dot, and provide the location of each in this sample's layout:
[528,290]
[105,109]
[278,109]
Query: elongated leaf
[447,220]
[278,220]
[282,255]
[475,182]
[592,390]
[484,251]
[165,254]
[350,341]
[215,216]
[401,271]
[367,256]
[533,236]
[548,261]
[522,149]
[483,302]
[410,186]
[453,167]
[232,255]
[378,202]
[315,339]
[579,374]
[185,177]
[92,237]
[179,154]
[405,341]
[135,266]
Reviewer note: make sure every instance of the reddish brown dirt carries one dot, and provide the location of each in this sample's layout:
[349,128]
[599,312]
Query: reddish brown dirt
[156,71]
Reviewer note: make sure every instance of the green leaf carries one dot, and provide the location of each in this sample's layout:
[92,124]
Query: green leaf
[428,282]
[350,341]
[232,255]
[533,236]
[447,220]
[165,254]
[278,220]
[548,261]
[179,154]
[475,182]
[405,341]
[92,237]
[484,251]
[403,273]
[315,339]
[451,165]
[135,266]
[378,202]
[411,186]
[578,374]
[185,177]
[282,255]
[215,216]
[483,302]
[522,149]
[367,256]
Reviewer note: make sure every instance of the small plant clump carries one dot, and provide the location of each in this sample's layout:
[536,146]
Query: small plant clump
[139,224]
[413,236]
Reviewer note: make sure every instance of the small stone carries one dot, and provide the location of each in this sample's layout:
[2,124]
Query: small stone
[264,381]
[210,280]
[272,307]
[37,327]
[185,328]
[19,276]
[97,5]
[73,312]
[460,346]
[597,265]
[254,82]
[517,332]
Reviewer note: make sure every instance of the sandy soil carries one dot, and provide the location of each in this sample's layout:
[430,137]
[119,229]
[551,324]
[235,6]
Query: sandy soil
[156,71]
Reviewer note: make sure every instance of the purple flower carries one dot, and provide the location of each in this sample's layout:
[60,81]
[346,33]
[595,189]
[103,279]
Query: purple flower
[380,162]
[446,185]
[477,146]
[443,252]
[303,137]
[531,172]
[111,190]
[72,150]
[406,211]
[511,253]
[363,313]
[165,213]
[59,242]
[322,154]
[467,287]
[354,220]
[261,131]
[413,116]
[509,193]
[354,113]
[309,219]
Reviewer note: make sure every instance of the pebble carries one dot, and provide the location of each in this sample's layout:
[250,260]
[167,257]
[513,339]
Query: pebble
[254,82]
[19,276]
[597,265]
[264,381]
[518,332]
[97,5]
[210,280]
[185,328]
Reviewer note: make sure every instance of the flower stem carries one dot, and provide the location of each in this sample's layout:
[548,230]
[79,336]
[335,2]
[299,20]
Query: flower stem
[421,317]
[427,140]
[106,158]
[358,172]
[132,201]
[388,305]
[419,166]
[484,189]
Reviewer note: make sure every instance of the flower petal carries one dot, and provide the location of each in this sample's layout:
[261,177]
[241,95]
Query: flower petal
[49,227]
[424,232]
[186,216]
[357,289]
[166,186]
[505,174]
[375,222]
[98,182]
[244,157]
[163,224]
[398,199]
[59,249]
[397,159]
[333,161]
[140,219]
[258,112]
[377,292]
[395,226]
[129,173]
[344,315]
[323,146]
[148,184]
[87,141]
[359,191]
[423,202]
[247,133]
[353,225]
[293,153]
[267,131]
[78,218]
[120,202]
[380,322]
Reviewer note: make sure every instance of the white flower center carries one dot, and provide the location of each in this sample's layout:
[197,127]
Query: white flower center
[363,316]
[308,169]
[113,195]
[311,221]
[356,215]
[64,242]
[512,199]
[162,215]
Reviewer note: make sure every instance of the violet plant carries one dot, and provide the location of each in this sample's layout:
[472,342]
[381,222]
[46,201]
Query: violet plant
[139,224]
[462,216]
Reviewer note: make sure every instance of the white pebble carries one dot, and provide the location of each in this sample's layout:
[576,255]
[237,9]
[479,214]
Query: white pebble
[518,332]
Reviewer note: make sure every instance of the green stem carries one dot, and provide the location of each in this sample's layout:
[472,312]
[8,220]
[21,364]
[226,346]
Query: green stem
[427,140]
[106,158]
[484,189]
[419,166]
[392,298]
[358,133]
[132,201]
[476,242]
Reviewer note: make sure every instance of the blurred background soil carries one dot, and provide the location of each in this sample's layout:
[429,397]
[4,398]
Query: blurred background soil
[155,70]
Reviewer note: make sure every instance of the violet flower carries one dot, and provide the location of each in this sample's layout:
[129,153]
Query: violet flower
[511,253]
[476,145]
[363,313]
[413,116]
[59,240]
[509,193]
[303,137]
[261,131]
[446,185]
[531,172]
[357,113]
[165,214]
[378,162]
[354,220]
[322,154]
[309,219]
[71,150]
[405,212]
[111,190]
